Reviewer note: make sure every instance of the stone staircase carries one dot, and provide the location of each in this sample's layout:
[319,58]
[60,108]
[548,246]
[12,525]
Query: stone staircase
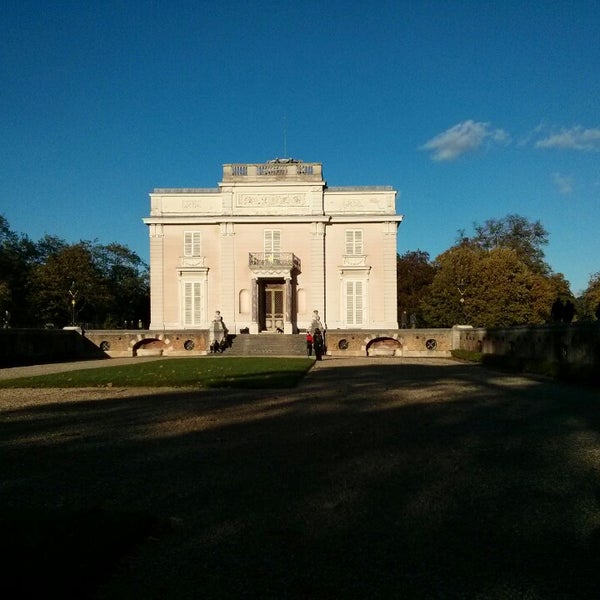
[266,344]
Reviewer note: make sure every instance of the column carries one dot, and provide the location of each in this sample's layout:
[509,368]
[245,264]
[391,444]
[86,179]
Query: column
[157,283]
[227,282]
[287,317]
[254,290]
[316,296]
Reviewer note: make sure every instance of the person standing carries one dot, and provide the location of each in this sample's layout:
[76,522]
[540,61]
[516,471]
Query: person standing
[309,343]
[318,344]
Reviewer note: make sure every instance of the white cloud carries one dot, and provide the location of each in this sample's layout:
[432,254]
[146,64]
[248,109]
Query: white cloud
[563,183]
[463,137]
[575,138]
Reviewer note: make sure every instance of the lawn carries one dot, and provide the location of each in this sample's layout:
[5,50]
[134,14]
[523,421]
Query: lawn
[249,373]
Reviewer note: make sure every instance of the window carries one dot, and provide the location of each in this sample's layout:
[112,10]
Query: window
[272,241]
[355,302]
[192,243]
[354,241]
[192,303]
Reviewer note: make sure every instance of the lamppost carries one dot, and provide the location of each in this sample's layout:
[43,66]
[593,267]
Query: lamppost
[73,293]
[461,290]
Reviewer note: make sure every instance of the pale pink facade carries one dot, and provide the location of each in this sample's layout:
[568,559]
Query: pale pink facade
[269,246]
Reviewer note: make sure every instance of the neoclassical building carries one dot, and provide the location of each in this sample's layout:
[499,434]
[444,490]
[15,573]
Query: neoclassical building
[268,246]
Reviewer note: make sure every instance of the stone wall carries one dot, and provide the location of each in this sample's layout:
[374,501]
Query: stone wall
[574,343]
[394,342]
[123,343]
[34,346]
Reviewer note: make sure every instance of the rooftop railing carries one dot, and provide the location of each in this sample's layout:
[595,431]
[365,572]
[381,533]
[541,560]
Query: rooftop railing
[294,170]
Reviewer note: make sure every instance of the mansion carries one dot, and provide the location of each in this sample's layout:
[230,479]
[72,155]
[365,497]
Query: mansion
[270,245]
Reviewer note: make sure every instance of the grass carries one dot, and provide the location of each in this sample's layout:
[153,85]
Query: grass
[250,373]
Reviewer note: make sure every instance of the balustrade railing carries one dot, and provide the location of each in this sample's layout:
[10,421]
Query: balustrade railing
[280,170]
[277,260]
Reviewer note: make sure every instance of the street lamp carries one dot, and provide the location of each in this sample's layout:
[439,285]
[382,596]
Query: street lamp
[73,293]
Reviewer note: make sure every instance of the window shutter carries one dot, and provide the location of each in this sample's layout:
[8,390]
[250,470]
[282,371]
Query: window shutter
[192,243]
[354,302]
[354,241]
[272,240]
[187,303]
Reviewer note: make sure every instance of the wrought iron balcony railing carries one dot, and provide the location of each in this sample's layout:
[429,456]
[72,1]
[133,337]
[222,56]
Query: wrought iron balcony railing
[277,260]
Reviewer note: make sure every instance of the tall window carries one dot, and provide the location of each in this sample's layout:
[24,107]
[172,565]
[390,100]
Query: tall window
[354,241]
[272,240]
[192,243]
[192,303]
[355,302]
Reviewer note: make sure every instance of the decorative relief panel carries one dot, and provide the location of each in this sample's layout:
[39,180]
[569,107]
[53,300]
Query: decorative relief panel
[355,260]
[192,261]
[270,200]
[360,204]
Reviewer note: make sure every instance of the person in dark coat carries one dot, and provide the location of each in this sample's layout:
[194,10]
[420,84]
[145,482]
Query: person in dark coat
[318,344]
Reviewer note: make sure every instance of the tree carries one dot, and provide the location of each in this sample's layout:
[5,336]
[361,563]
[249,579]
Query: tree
[590,299]
[128,281]
[485,288]
[526,238]
[69,274]
[16,252]
[415,273]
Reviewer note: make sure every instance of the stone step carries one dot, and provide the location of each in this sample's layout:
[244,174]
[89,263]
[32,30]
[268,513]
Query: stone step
[267,344]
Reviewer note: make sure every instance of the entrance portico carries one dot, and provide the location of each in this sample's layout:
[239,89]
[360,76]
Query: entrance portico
[274,291]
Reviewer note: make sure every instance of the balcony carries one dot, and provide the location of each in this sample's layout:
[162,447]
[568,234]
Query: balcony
[279,261]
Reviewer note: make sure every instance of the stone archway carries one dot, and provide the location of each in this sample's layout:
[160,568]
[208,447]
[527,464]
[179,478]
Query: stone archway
[149,347]
[384,346]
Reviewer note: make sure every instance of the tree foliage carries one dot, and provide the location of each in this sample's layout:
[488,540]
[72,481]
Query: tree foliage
[590,300]
[39,281]
[415,273]
[486,288]
[516,232]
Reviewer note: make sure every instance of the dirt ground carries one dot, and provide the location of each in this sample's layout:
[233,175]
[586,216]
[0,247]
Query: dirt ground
[374,478]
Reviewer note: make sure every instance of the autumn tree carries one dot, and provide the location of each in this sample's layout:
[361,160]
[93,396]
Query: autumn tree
[486,288]
[590,299]
[516,232]
[415,273]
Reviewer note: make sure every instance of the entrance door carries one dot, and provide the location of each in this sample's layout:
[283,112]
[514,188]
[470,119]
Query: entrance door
[274,302]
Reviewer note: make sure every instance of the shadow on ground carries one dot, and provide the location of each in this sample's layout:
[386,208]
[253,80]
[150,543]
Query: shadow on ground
[392,481]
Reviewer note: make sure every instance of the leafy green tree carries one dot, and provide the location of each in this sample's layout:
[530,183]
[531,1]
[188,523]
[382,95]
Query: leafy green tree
[415,273]
[67,275]
[128,281]
[486,288]
[526,238]
[16,252]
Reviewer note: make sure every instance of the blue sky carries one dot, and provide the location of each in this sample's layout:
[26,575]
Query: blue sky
[471,110]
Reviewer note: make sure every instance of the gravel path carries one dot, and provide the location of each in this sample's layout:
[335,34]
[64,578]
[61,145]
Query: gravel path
[378,478]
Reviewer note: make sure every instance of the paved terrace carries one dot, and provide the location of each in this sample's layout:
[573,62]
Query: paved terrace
[374,478]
